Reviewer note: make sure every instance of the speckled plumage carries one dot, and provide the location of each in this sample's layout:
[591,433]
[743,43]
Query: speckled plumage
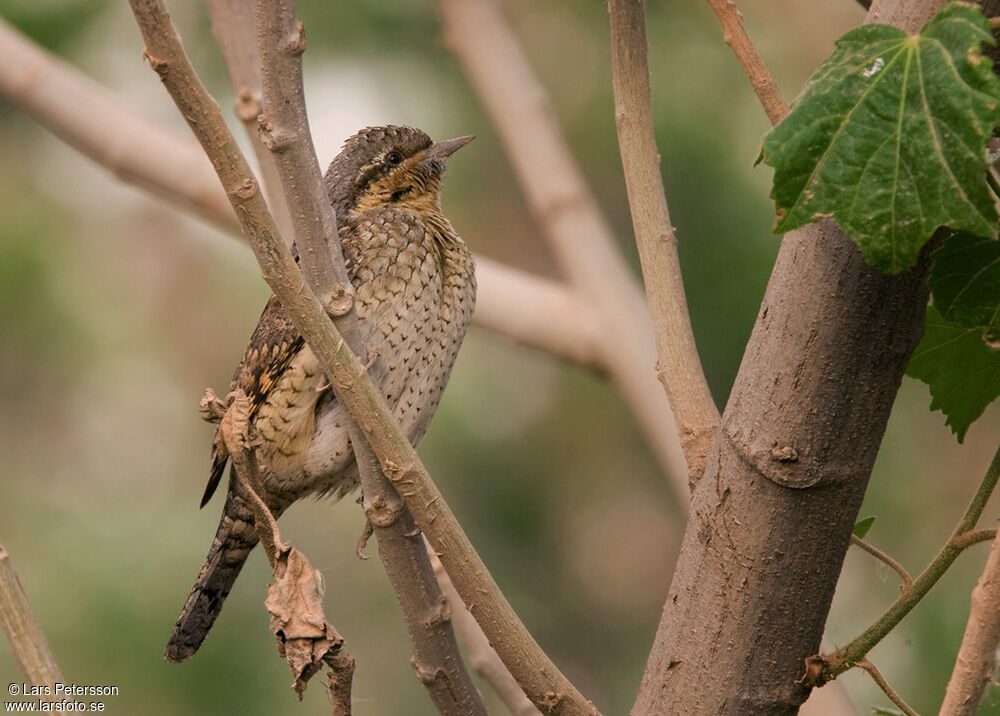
[415,290]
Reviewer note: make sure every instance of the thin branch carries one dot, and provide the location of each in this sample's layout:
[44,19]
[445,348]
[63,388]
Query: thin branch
[233,27]
[538,313]
[339,681]
[884,685]
[967,539]
[91,119]
[977,657]
[284,129]
[436,659]
[27,642]
[832,665]
[679,367]
[482,657]
[909,15]
[882,556]
[566,211]
[536,673]
[750,60]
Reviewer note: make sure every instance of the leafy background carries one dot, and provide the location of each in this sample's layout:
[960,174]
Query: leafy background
[117,313]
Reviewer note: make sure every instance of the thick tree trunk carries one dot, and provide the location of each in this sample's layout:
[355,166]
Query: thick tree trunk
[770,520]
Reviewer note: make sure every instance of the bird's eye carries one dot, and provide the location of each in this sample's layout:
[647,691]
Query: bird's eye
[394,157]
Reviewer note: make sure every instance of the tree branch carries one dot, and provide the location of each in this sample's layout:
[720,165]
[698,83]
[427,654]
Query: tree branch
[233,27]
[27,642]
[95,122]
[976,659]
[482,657]
[679,366]
[883,557]
[539,677]
[888,690]
[426,611]
[567,213]
[800,433]
[284,129]
[850,655]
[750,60]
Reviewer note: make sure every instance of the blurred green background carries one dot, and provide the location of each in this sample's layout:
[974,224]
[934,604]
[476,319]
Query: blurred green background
[116,312]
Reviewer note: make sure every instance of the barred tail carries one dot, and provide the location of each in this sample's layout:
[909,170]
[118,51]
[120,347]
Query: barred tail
[233,542]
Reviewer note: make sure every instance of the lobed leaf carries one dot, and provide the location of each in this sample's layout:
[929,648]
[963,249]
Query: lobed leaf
[965,281]
[960,368]
[889,137]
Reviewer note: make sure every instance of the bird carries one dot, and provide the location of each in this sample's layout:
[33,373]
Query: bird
[415,289]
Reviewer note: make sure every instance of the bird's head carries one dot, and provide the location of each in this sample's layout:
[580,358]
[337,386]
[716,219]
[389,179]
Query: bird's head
[390,166]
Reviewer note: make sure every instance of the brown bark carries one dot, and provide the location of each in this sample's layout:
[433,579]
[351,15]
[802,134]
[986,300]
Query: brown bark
[27,642]
[677,362]
[567,214]
[771,519]
[427,612]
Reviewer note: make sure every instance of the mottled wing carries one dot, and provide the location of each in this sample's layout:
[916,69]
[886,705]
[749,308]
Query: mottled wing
[272,346]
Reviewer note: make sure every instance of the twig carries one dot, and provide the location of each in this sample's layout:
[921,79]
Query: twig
[568,215]
[884,685]
[27,642]
[233,27]
[538,313]
[545,685]
[750,60]
[976,659]
[427,612]
[882,556]
[88,117]
[339,681]
[92,120]
[482,657]
[679,367]
[967,539]
[832,665]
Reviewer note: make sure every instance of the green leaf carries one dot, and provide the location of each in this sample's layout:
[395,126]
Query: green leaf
[960,368]
[965,280]
[889,137]
[861,527]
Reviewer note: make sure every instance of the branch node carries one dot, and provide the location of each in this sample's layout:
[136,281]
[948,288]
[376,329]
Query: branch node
[784,453]
[274,138]
[159,66]
[341,301]
[551,701]
[440,613]
[426,675]
[245,190]
[816,672]
[247,105]
[295,42]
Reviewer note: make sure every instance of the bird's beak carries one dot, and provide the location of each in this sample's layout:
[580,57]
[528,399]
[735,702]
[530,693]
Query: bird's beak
[443,150]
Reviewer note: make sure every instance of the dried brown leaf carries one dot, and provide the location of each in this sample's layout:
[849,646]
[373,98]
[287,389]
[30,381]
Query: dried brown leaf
[295,601]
